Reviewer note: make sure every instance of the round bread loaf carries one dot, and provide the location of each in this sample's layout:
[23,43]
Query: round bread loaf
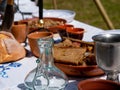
[10,48]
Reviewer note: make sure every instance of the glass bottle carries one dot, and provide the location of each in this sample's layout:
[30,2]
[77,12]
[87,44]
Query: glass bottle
[46,76]
[8,17]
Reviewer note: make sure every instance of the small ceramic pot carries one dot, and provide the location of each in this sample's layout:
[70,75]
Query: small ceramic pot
[76,33]
[32,39]
[28,22]
[61,29]
[20,32]
[98,84]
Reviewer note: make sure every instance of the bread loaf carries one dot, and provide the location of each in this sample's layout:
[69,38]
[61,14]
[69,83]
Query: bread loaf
[10,49]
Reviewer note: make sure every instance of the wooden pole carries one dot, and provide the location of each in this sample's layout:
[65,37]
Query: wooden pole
[104,14]
[54,4]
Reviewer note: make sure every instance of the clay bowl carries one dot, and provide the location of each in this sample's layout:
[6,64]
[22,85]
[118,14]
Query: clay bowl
[76,33]
[48,22]
[59,21]
[19,31]
[32,39]
[98,84]
[80,71]
[61,29]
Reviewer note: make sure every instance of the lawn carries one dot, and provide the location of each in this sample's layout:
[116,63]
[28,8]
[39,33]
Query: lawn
[87,12]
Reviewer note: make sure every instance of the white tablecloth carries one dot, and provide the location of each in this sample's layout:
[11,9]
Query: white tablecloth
[12,74]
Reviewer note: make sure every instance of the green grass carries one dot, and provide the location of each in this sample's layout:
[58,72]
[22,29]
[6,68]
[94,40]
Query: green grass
[87,12]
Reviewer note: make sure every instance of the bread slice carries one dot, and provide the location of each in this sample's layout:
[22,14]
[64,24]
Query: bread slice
[69,55]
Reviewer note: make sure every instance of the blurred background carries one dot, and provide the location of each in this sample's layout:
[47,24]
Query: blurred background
[87,12]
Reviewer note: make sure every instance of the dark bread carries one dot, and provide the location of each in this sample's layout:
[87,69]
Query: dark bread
[73,56]
[74,53]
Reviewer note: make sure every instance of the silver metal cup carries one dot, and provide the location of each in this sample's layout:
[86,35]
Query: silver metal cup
[107,50]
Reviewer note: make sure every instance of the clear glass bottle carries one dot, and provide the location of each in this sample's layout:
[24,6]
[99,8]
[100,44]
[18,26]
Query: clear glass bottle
[46,76]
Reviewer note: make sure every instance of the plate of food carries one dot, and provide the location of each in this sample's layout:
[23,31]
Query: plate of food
[76,58]
[33,23]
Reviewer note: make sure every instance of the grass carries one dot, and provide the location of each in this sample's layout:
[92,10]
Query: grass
[87,12]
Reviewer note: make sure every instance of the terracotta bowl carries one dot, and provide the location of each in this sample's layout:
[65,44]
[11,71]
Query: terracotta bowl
[32,39]
[98,84]
[55,19]
[81,71]
[34,22]
[19,31]
[76,33]
[61,29]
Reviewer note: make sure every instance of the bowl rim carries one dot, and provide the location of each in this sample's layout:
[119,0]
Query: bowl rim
[75,30]
[29,36]
[97,80]
[81,71]
[77,66]
[53,18]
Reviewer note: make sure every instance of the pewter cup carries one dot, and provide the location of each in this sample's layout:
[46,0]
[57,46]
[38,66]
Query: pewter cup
[107,50]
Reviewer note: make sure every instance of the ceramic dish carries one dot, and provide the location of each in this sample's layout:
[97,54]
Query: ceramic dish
[98,84]
[76,33]
[48,22]
[45,18]
[88,69]
[83,71]
[68,15]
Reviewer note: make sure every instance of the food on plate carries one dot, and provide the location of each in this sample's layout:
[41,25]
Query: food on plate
[69,55]
[74,53]
[33,24]
[50,22]
[10,49]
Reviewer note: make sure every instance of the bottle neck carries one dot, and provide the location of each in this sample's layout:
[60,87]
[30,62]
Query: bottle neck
[46,54]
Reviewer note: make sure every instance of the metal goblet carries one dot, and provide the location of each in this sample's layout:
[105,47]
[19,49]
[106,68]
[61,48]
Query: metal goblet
[107,50]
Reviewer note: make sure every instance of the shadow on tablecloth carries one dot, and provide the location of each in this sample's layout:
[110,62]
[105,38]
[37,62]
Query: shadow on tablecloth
[70,86]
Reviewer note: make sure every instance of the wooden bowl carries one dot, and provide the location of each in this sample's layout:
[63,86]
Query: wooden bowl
[98,84]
